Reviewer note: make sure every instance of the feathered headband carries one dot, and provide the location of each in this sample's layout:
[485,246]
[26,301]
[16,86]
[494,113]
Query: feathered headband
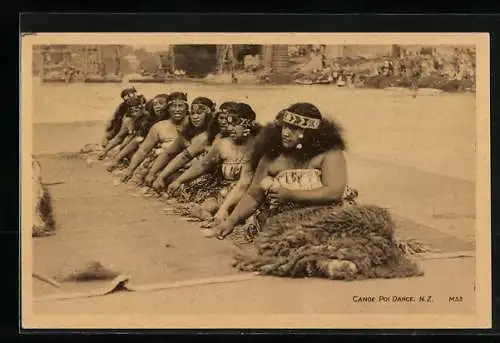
[300,120]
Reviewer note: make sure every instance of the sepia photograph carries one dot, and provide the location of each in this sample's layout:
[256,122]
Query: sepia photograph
[255,180]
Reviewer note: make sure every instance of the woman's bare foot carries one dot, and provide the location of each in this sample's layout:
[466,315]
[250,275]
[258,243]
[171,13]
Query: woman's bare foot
[209,233]
[111,167]
[333,268]
[199,212]
[210,205]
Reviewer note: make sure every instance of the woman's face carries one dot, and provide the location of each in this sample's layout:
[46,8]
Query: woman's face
[223,124]
[129,98]
[159,105]
[136,110]
[178,111]
[199,114]
[237,131]
[291,135]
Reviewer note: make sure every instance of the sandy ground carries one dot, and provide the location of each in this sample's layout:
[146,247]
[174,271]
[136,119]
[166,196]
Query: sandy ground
[302,296]
[415,156]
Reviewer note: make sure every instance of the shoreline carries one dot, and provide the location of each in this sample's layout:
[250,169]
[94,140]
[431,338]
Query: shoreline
[204,82]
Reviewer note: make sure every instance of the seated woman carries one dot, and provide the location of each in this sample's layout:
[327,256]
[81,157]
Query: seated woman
[160,136]
[198,147]
[304,215]
[221,126]
[193,136]
[218,182]
[156,110]
[135,110]
[113,125]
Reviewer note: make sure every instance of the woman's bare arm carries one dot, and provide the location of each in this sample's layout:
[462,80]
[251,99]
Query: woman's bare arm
[197,169]
[129,149]
[118,139]
[119,111]
[166,156]
[239,189]
[333,178]
[147,145]
[197,147]
[253,197]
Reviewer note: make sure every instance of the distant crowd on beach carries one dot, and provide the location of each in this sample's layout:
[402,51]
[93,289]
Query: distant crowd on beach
[409,64]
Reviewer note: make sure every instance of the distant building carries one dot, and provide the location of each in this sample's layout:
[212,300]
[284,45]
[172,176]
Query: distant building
[250,61]
[89,59]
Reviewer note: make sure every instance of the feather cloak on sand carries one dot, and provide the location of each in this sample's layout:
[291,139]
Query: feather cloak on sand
[336,242]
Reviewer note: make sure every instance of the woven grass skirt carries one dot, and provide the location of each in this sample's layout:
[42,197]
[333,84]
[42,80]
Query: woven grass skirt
[345,241]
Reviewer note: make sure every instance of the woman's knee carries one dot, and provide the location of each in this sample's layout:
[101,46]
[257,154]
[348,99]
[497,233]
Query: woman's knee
[210,205]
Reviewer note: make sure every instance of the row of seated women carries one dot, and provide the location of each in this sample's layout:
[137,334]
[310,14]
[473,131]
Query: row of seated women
[280,187]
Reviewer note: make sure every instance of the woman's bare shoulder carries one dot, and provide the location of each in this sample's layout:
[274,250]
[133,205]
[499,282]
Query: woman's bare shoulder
[200,141]
[334,156]
[330,156]
[223,142]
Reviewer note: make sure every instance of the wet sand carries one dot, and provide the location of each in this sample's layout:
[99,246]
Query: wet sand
[415,156]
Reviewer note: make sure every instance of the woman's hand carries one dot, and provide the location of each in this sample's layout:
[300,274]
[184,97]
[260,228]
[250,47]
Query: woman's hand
[173,187]
[104,142]
[112,167]
[149,179]
[159,184]
[280,194]
[223,229]
[220,216]
[126,177]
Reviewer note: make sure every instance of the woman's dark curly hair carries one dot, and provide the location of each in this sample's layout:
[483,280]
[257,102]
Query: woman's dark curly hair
[139,101]
[247,112]
[177,96]
[327,137]
[214,127]
[149,106]
[127,91]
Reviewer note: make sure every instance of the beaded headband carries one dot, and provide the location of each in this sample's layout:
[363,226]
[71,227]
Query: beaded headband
[224,111]
[301,121]
[235,120]
[195,107]
[177,102]
[159,99]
